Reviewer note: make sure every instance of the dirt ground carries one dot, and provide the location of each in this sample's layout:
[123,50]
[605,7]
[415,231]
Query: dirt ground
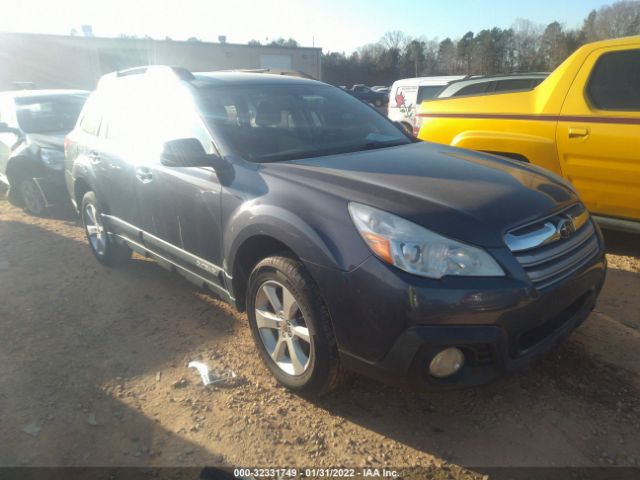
[93,373]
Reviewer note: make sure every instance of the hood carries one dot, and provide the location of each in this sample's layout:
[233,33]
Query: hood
[47,140]
[469,196]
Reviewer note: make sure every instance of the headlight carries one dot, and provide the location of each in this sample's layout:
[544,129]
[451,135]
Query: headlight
[417,250]
[53,159]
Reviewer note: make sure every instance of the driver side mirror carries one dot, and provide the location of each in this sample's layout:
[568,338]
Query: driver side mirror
[186,152]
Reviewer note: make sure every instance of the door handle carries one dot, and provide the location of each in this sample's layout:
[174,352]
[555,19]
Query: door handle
[578,132]
[144,174]
[94,157]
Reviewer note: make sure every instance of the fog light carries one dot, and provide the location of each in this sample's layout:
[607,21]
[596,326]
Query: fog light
[446,363]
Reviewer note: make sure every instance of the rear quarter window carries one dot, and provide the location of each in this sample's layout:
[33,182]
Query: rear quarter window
[615,81]
[91,117]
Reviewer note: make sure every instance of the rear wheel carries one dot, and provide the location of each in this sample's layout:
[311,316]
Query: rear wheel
[291,326]
[107,251]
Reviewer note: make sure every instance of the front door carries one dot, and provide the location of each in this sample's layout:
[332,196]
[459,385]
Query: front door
[598,134]
[180,206]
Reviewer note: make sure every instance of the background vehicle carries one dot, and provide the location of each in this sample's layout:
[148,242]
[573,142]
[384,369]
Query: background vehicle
[366,94]
[32,128]
[582,122]
[407,93]
[492,84]
[381,89]
[295,202]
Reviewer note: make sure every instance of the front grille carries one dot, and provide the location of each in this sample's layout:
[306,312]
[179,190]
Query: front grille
[549,257]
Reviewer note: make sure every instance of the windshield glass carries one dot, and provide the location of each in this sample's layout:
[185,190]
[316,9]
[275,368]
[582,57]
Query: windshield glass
[269,123]
[54,113]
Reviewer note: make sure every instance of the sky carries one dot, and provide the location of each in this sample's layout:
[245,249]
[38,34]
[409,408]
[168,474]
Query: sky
[334,25]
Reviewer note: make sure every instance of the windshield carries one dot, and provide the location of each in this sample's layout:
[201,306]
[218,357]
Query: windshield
[54,113]
[269,123]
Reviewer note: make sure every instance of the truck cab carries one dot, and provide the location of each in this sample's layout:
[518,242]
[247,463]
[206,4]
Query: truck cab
[582,122]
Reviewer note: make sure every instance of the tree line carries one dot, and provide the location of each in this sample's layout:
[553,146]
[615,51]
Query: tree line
[525,47]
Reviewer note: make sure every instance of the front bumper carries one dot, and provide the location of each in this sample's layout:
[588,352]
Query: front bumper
[390,324]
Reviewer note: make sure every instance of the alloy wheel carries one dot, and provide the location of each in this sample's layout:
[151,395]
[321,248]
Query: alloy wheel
[282,328]
[32,197]
[95,229]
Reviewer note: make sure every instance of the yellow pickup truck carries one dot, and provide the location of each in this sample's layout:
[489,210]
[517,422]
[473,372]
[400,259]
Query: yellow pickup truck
[582,122]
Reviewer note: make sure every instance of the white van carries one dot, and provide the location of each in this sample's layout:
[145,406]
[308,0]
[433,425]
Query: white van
[407,93]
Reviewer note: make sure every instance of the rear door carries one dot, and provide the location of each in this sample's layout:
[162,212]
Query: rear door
[120,151]
[598,134]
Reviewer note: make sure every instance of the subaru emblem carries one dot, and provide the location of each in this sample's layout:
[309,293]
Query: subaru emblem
[566,227]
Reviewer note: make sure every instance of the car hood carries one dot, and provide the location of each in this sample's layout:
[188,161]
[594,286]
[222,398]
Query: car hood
[469,196]
[47,140]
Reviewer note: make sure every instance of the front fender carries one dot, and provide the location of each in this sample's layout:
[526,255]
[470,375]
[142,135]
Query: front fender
[282,225]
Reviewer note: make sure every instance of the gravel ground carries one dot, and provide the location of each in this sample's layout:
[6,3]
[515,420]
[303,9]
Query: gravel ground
[93,373]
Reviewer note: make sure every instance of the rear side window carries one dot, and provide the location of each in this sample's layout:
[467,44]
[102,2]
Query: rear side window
[615,81]
[473,89]
[91,117]
[513,84]
[428,92]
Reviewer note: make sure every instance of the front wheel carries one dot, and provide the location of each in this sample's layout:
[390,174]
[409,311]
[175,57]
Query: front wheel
[107,251]
[32,197]
[291,326]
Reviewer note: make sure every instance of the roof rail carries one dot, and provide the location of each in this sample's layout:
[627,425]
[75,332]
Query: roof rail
[177,73]
[181,73]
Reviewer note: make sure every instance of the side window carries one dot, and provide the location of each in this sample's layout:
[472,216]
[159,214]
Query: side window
[124,122]
[175,117]
[615,81]
[536,81]
[513,84]
[472,89]
[91,116]
[428,92]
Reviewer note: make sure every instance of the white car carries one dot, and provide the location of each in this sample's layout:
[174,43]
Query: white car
[407,93]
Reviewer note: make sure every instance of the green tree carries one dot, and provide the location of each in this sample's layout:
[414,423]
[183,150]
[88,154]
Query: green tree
[446,58]
[465,51]
[281,42]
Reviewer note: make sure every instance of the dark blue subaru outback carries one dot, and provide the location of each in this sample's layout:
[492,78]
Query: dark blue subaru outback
[351,246]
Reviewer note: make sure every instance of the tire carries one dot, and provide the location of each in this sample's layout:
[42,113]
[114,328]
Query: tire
[107,251]
[281,332]
[13,194]
[31,197]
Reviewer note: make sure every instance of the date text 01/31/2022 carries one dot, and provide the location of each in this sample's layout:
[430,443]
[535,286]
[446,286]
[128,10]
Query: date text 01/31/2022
[315,472]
